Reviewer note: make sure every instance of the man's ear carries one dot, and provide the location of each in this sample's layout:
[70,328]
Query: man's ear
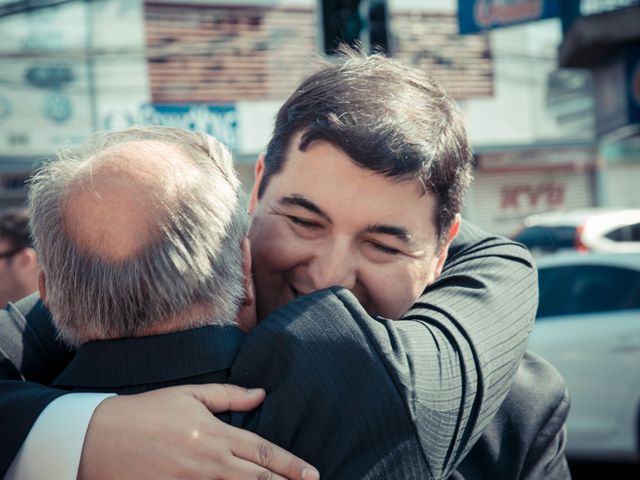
[246,317]
[29,257]
[444,250]
[42,287]
[259,172]
[25,257]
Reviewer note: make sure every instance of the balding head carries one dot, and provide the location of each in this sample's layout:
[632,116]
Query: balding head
[136,229]
[111,209]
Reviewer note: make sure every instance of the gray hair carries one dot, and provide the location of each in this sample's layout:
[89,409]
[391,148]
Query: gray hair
[194,260]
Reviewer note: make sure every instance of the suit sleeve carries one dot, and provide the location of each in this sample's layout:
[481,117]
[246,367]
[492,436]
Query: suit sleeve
[329,398]
[526,439]
[435,378]
[546,455]
[28,351]
[453,357]
[455,353]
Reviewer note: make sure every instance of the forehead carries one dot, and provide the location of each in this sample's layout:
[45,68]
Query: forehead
[328,177]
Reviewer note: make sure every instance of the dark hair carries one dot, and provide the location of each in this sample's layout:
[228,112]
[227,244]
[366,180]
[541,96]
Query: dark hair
[389,118]
[14,227]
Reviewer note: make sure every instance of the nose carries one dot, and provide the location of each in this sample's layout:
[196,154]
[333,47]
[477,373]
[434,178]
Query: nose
[335,265]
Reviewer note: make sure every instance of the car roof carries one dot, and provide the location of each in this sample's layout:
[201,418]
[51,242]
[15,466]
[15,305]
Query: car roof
[626,260]
[573,217]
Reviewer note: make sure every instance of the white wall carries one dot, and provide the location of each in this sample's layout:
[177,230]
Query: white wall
[523,57]
[37,118]
[100,46]
[121,76]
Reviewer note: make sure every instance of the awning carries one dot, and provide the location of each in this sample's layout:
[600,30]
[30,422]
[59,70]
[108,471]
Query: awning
[594,38]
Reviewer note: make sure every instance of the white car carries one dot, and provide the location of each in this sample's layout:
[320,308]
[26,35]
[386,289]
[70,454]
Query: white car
[594,229]
[588,327]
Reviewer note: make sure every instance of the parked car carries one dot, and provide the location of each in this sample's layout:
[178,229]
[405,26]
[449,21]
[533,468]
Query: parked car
[595,229]
[588,327]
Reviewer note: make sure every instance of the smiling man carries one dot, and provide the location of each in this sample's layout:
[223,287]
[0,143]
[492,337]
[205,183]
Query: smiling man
[360,190]
[384,252]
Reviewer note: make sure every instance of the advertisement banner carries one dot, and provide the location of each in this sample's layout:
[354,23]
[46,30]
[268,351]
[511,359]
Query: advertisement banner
[479,15]
[219,121]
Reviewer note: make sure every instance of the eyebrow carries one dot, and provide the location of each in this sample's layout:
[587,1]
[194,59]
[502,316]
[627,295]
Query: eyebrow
[300,201]
[400,233]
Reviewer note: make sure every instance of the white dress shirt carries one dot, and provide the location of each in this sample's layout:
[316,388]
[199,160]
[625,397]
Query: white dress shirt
[53,447]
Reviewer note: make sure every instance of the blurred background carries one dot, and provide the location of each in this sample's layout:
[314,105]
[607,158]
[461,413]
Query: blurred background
[550,91]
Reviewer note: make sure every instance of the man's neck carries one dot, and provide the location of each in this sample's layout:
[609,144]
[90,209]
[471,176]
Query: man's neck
[194,317]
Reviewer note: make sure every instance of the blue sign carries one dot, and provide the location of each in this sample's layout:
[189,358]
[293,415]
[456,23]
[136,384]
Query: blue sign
[219,121]
[478,15]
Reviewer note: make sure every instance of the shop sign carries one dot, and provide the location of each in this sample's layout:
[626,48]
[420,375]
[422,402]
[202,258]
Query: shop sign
[533,196]
[219,121]
[478,15]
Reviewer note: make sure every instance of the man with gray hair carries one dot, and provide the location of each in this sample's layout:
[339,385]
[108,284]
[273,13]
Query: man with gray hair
[148,225]
[141,235]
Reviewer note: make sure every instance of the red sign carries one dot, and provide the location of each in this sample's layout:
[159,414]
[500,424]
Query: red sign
[481,15]
[532,196]
[487,14]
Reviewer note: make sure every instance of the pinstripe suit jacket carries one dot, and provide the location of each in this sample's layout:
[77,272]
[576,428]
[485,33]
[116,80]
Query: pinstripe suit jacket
[450,361]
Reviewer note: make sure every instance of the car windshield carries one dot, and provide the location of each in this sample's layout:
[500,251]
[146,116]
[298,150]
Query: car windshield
[547,238]
[576,289]
[627,233]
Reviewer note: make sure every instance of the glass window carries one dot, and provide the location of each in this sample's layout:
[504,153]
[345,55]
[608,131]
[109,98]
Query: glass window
[617,235]
[628,233]
[576,289]
[545,238]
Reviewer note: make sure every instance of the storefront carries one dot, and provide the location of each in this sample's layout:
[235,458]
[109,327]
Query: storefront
[511,184]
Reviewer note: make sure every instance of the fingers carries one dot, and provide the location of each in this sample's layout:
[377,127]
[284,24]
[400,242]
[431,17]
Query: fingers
[223,397]
[261,453]
[239,468]
[248,455]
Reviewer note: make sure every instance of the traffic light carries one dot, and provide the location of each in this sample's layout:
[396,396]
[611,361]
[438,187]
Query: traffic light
[378,30]
[354,22]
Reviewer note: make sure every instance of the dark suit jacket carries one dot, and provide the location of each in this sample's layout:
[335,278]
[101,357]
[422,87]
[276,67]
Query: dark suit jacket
[451,360]
[325,418]
[527,437]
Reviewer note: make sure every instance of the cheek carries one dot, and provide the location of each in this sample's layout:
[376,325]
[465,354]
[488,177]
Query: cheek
[273,246]
[393,291]
[389,295]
